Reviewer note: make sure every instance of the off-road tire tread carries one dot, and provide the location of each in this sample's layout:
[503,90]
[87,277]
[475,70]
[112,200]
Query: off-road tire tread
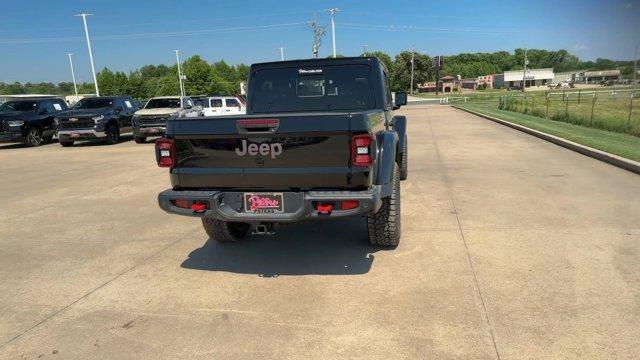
[404,164]
[140,139]
[384,226]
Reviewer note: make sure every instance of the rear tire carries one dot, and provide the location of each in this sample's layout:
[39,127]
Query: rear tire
[383,227]
[140,139]
[66,143]
[113,134]
[404,162]
[224,231]
[33,137]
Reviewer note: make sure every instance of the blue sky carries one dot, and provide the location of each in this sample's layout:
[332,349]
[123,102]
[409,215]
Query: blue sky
[36,35]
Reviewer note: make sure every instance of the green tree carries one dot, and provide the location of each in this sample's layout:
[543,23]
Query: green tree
[384,57]
[401,79]
[198,74]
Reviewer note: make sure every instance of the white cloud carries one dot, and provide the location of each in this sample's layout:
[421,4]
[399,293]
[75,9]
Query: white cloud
[580,47]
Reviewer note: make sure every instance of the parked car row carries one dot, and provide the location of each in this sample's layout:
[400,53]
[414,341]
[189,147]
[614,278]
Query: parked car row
[104,118]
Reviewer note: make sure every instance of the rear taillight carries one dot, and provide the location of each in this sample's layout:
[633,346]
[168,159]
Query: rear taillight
[165,152]
[361,152]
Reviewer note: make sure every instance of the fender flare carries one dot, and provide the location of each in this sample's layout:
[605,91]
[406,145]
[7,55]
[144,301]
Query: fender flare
[400,126]
[386,159]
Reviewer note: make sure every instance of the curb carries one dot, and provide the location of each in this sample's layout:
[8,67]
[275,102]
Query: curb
[612,159]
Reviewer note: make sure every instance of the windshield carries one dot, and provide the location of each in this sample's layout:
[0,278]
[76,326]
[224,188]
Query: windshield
[343,87]
[163,103]
[94,103]
[19,106]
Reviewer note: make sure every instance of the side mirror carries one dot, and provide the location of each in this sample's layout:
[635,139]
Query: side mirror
[400,99]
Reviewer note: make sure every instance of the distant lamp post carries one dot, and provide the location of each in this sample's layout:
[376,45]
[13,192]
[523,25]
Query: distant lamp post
[180,77]
[73,75]
[333,12]
[86,34]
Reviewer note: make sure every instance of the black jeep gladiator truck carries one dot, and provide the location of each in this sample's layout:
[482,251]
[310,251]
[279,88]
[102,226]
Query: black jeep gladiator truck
[319,141]
[29,121]
[96,118]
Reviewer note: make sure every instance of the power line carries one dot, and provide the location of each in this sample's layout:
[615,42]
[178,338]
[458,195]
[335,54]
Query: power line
[392,27]
[155,34]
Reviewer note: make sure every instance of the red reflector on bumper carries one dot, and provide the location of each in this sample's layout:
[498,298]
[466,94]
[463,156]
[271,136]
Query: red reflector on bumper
[324,208]
[349,204]
[199,207]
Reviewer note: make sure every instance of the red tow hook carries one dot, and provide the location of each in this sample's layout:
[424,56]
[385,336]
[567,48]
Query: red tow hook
[198,207]
[324,209]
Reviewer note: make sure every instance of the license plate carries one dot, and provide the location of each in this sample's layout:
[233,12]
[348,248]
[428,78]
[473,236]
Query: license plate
[74,135]
[153,130]
[263,203]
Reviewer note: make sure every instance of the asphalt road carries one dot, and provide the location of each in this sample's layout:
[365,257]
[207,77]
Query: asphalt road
[512,248]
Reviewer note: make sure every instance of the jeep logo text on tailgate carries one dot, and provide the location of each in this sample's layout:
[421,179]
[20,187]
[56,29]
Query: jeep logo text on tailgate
[263,149]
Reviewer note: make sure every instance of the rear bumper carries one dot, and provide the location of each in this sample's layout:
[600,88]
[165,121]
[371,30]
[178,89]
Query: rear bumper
[84,134]
[298,206]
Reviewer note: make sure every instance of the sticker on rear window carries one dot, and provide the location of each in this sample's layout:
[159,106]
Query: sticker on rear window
[128,103]
[309,71]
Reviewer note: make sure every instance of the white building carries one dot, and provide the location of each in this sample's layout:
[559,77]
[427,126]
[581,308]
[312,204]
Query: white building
[533,77]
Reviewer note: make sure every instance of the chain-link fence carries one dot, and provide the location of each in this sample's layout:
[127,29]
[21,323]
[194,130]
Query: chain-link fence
[614,110]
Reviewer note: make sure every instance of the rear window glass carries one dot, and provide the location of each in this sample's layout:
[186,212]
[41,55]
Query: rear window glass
[327,88]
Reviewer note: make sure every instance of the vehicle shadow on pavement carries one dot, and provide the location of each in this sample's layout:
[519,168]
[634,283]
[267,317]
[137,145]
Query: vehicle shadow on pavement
[90,143]
[332,247]
[9,146]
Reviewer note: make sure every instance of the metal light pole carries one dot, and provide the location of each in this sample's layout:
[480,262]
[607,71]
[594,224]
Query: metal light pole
[281,53]
[524,73]
[365,49]
[333,11]
[412,54]
[73,75]
[86,33]
[179,72]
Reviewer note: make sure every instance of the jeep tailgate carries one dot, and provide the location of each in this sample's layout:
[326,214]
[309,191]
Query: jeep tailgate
[267,152]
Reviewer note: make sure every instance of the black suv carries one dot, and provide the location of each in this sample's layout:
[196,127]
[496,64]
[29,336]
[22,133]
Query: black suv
[97,118]
[29,120]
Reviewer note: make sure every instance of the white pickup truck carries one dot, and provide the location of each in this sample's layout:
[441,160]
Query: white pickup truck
[151,120]
[223,105]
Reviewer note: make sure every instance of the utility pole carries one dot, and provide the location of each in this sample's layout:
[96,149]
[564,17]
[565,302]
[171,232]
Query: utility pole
[635,67]
[73,75]
[365,49]
[413,51]
[281,53]
[86,33]
[524,73]
[318,33]
[333,11]
[179,72]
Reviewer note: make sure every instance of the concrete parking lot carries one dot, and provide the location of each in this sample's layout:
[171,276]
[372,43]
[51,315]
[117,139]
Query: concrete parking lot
[512,248]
